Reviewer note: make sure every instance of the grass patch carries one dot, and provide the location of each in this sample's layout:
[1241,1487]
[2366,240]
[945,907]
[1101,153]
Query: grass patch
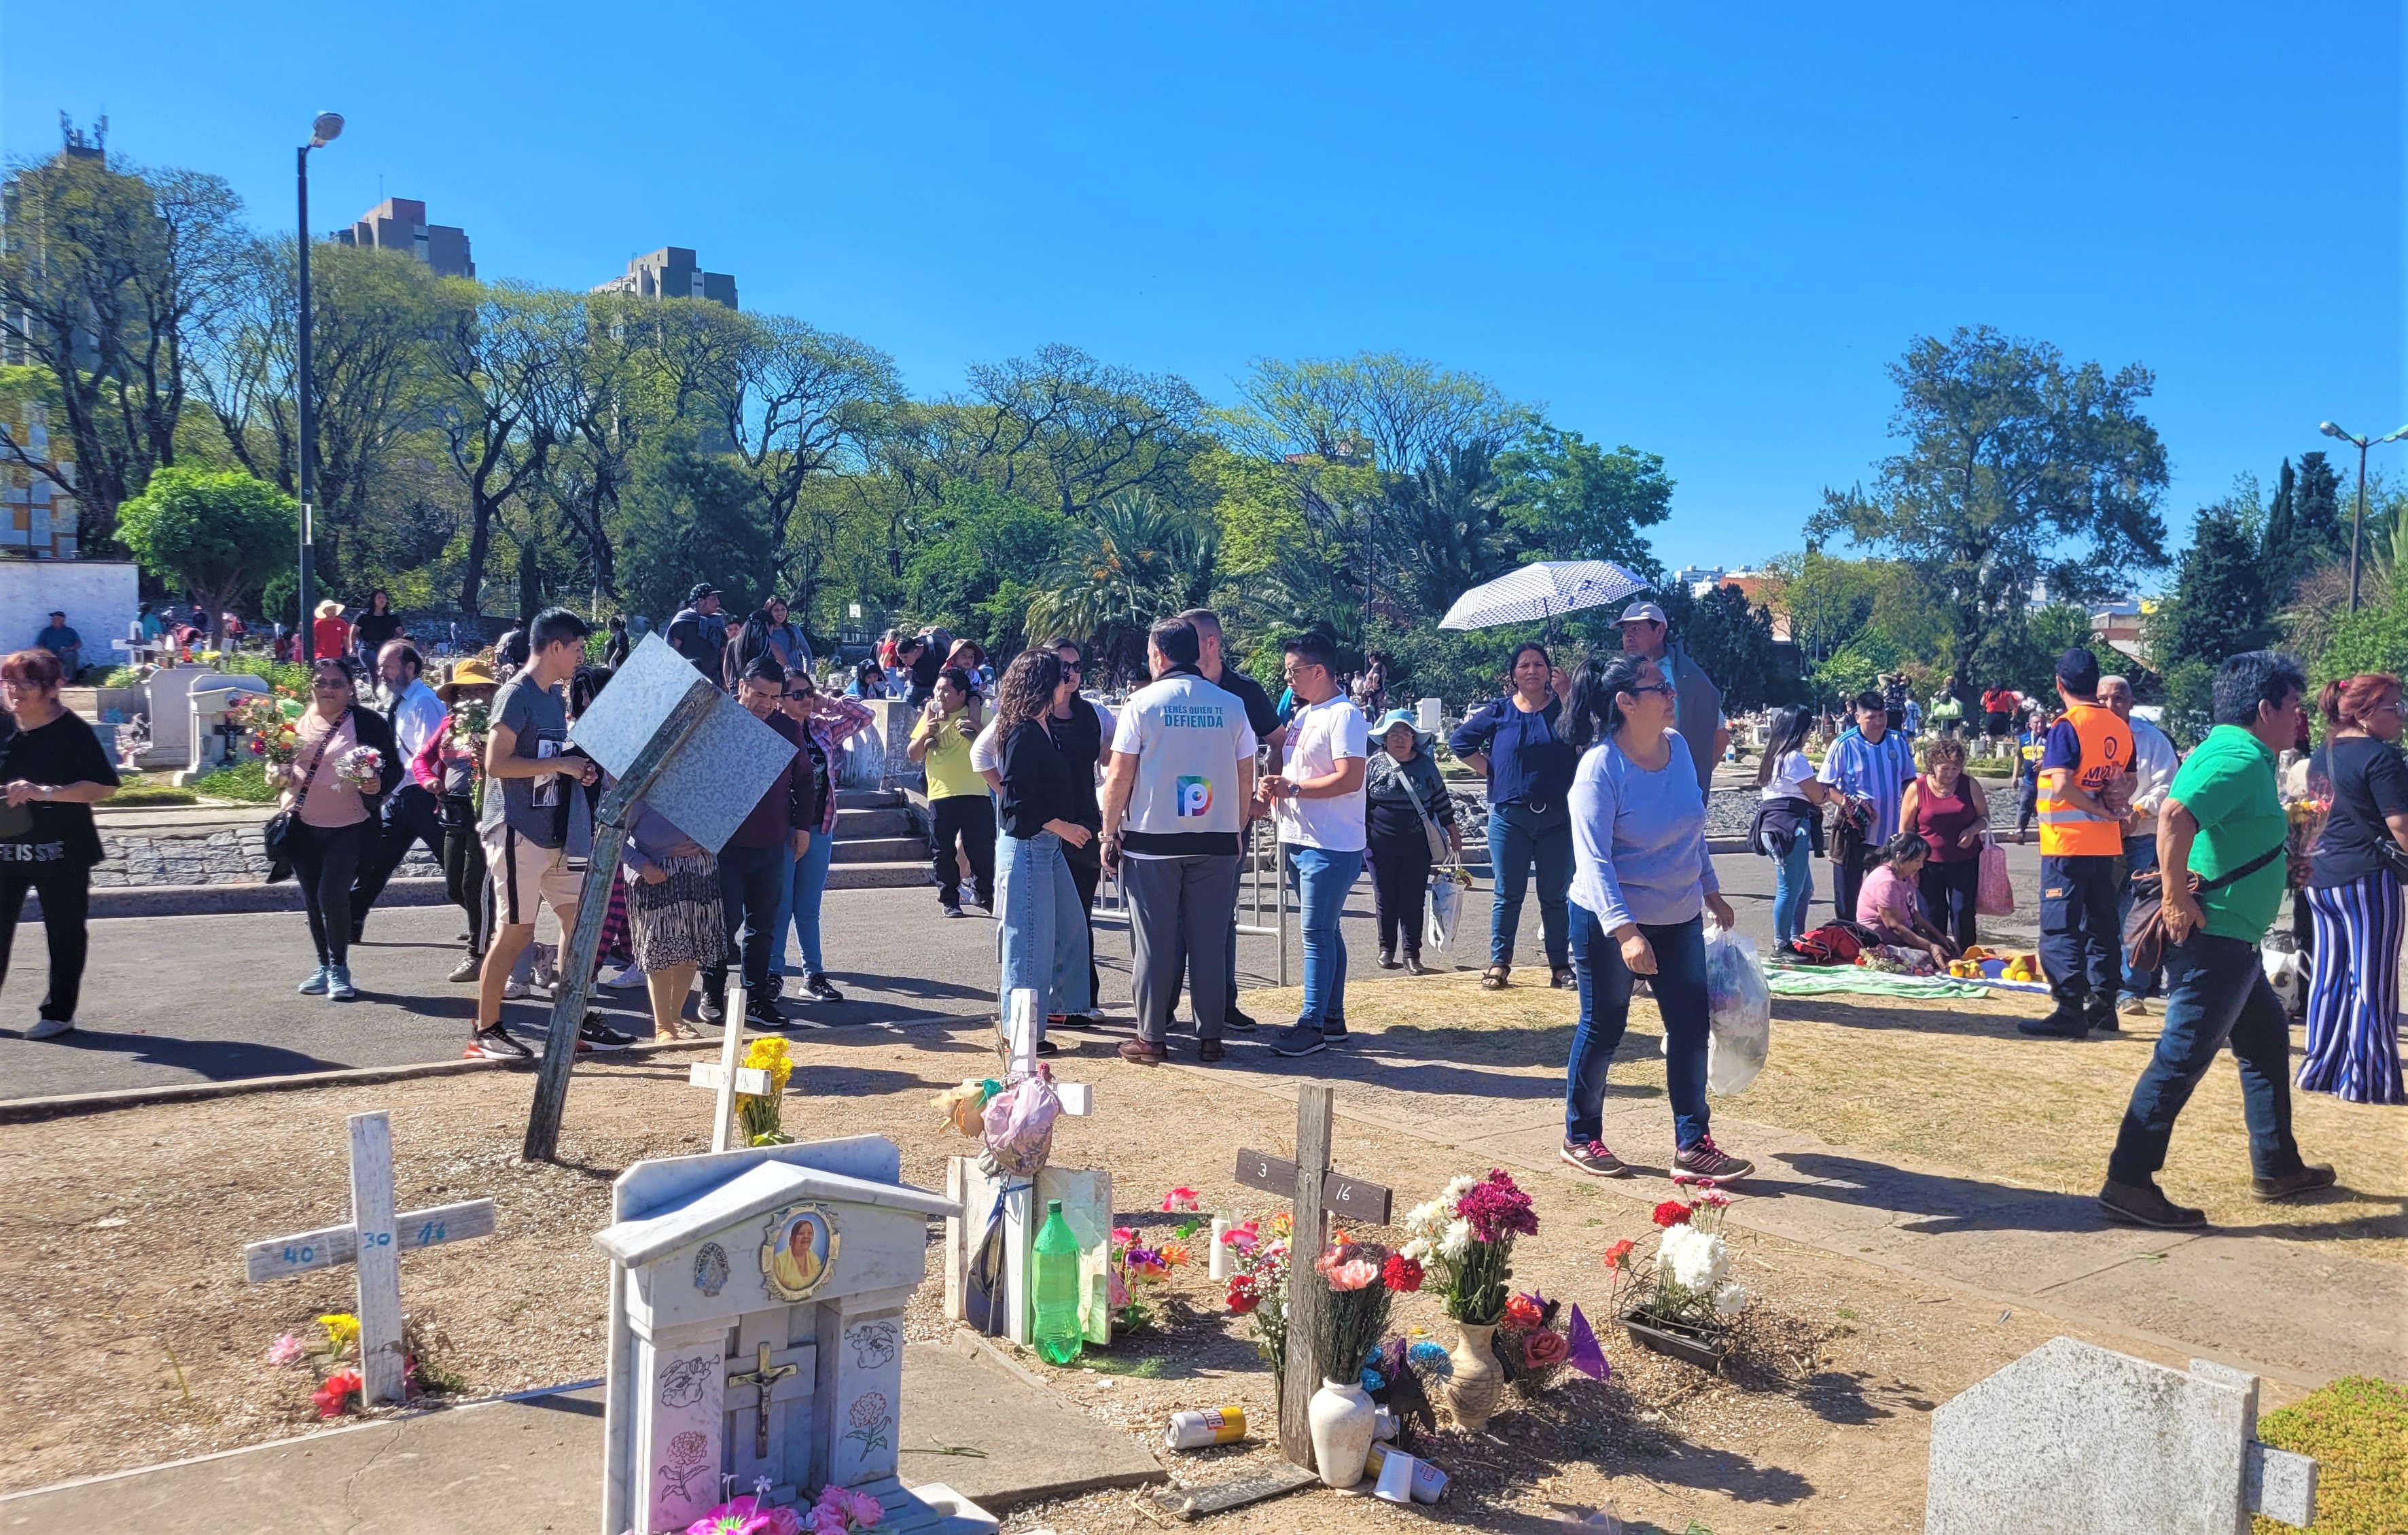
[1150,1367]
[2358,1429]
[247,782]
[154,794]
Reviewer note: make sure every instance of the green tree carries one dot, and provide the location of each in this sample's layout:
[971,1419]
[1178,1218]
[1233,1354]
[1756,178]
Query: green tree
[2222,605]
[972,572]
[693,516]
[2020,473]
[216,536]
[1732,640]
[1566,498]
[1136,561]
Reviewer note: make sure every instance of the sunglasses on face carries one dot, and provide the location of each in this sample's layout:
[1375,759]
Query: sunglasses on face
[1645,688]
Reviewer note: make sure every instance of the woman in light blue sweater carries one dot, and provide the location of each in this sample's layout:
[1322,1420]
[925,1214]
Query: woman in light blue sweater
[1640,874]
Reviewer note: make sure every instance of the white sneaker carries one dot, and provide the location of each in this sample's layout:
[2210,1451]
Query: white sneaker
[626,975]
[49,1029]
[515,990]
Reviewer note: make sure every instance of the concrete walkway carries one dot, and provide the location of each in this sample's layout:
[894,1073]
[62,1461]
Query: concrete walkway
[971,1421]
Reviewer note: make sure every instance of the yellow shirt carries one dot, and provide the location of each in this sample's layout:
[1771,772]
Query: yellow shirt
[948,759]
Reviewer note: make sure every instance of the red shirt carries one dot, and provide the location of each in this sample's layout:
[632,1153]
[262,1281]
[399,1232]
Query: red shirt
[332,636]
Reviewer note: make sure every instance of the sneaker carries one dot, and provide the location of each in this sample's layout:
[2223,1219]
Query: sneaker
[1209,1052]
[338,984]
[494,1044]
[2058,1025]
[467,970]
[2100,1016]
[625,975]
[595,1035]
[1088,1020]
[1234,1019]
[817,987]
[1139,1053]
[951,908]
[1333,1029]
[2145,1204]
[1593,1156]
[49,1029]
[2291,1184]
[2134,1006]
[713,1007]
[516,990]
[315,985]
[763,1013]
[1304,1039]
[1707,1160]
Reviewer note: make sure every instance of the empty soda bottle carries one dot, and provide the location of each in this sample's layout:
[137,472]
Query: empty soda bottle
[1056,1329]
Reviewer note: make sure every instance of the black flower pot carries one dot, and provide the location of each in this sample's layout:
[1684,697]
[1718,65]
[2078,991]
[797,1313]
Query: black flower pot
[1688,1344]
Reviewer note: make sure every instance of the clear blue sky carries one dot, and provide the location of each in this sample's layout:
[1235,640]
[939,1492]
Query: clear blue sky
[1701,229]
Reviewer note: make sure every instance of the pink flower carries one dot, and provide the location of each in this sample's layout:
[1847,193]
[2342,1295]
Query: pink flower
[1179,1199]
[286,1349]
[1122,1236]
[1714,1199]
[1497,1209]
[1117,1293]
[1361,1273]
[746,1516]
[1243,1237]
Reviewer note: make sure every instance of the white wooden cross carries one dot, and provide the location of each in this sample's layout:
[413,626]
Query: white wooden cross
[723,1077]
[1020,1197]
[373,1242]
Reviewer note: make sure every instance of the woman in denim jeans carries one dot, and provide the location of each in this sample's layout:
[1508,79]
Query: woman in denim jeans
[1642,874]
[1514,741]
[1789,820]
[1041,933]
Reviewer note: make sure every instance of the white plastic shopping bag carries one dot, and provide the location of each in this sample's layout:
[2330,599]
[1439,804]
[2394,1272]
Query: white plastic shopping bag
[1740,1009]
[1445,906]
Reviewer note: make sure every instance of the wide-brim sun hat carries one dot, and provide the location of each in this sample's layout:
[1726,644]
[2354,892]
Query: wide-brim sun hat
[470,673]
[1395,717]
[330,609]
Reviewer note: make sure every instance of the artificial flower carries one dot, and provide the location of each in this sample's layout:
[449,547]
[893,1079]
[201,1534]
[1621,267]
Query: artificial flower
[1431,1356]
[1245,1294]
[1124,1237]
[332,1397]
[1619,1254]
[841,1509]
[286,1349]
[1691,1259]
[1117,1293]
[1356,1274]
[1542,1348]
[1403,1274]
[1175,1252]
[1243,1238]
[1714,1199]
[1522,1311]
[1497,1209]
[1179,1199]
[1731,1300]
[1672,1213]
[342,1329]
[1372,1379]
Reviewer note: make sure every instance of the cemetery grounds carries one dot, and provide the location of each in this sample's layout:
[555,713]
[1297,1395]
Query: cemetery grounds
[132,1340]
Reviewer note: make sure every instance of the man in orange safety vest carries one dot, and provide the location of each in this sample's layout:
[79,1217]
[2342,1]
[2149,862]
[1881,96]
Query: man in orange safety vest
[2084,785]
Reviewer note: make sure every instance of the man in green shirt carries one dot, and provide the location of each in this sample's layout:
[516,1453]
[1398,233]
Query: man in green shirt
[2221,820]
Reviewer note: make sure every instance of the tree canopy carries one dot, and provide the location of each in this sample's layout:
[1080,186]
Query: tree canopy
[221,537]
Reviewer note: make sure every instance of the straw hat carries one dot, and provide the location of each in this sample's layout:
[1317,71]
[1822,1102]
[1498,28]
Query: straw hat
[330,609]
[470,673]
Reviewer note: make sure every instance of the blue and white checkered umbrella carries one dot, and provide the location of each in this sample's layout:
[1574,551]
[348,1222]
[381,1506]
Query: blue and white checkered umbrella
[1534,593]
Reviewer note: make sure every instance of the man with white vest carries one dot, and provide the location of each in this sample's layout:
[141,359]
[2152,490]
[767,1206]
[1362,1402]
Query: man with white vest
[1182,773]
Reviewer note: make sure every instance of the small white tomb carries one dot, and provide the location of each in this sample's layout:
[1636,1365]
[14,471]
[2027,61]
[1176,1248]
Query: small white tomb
[756,1334]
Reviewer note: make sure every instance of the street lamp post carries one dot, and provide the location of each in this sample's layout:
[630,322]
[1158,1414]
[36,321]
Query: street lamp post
[2357,522]
[324,130]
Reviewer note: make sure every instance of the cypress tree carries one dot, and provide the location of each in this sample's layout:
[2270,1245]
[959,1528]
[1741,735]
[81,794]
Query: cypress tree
[2278,548]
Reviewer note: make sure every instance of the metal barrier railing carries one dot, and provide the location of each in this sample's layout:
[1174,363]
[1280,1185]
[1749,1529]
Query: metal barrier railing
[1262,847]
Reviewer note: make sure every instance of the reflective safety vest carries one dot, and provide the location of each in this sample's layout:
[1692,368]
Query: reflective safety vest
[2066,832]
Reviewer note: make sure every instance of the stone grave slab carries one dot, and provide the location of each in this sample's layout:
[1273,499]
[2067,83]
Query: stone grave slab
[1031,1445]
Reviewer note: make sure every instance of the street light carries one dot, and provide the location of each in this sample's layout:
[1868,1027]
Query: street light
[2357,524]
[323,130]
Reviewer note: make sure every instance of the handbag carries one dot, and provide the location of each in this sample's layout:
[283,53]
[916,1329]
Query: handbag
[2144,926]
[277,836]
[1994,893]
[1438,849]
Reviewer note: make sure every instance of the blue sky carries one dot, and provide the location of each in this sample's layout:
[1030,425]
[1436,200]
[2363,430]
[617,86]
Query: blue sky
[1703,230]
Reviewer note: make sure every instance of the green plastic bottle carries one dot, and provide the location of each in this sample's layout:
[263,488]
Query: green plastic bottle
[1056,1331]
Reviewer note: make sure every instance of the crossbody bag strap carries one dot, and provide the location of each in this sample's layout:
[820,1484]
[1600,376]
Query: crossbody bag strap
[1415,796]
[2252,867]
[310,774]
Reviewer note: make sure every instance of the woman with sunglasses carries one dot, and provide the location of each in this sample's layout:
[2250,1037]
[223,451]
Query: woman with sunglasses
[336,818]
[828,723]
[1641,881]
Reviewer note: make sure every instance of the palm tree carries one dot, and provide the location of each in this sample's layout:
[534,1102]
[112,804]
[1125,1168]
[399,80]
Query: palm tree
[1134,561]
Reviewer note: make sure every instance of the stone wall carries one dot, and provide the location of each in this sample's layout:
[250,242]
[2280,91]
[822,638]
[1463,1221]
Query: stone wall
[225,856]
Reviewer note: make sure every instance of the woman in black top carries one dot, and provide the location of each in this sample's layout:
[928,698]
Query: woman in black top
[1042,936]
[1078,734]
[374,627]
[2354,895]
[55,772]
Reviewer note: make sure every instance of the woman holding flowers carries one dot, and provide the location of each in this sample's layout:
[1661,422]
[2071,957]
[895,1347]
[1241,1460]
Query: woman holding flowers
[346,763]
[1640,881]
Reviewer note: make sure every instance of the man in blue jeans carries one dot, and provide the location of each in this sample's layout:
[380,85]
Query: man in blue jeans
[2223,821]
[1318,798]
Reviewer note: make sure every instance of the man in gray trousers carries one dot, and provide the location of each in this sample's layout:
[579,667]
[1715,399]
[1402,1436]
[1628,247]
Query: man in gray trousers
[1181,774]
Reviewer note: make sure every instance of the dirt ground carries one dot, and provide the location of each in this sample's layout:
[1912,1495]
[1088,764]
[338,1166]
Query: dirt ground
[131,1338]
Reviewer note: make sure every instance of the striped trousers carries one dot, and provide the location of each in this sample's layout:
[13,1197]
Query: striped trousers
[2354,991]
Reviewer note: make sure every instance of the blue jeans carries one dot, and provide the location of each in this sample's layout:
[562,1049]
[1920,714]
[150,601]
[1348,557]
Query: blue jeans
[1605,981]
[1519,836]
[1040,935]
[2216,992]
[2140,857]
[799,903]
[1792,890]
[1323,878]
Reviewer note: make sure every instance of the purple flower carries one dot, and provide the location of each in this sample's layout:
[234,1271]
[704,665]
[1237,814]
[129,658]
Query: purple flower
[1496,1209]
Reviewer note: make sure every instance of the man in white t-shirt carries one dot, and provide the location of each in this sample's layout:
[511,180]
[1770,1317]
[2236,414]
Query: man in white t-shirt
[1318,800]
[1183,771]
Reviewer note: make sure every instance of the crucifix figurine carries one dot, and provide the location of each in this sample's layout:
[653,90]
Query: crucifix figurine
[762,1376]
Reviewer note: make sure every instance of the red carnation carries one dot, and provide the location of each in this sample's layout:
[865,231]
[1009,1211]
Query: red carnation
[1402,1274]
[1616,1254]
[1244,1294]
[1672,1213]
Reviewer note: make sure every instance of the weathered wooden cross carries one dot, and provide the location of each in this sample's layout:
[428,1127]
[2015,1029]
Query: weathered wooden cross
[1317,1193]
[372,1241]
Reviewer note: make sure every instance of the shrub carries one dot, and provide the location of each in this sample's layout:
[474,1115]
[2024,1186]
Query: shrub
[245,782]
[153,793]
[2357,1428]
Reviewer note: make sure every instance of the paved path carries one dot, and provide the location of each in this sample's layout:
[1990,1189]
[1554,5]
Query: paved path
[181,1000]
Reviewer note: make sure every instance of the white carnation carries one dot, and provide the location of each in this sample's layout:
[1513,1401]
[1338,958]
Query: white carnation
[1456,1242]
[1731,1300]
[1691,1259]
[1418,1250]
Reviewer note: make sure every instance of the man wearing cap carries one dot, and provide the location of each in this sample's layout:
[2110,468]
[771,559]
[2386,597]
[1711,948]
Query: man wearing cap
[2085,788]
[698,633]
[62,642]
[1696,702]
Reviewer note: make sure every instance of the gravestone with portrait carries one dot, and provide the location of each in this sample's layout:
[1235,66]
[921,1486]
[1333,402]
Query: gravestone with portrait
[756,1334]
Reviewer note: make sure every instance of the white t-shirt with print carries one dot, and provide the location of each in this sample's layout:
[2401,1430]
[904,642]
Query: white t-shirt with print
[1790,772]
[1319,736]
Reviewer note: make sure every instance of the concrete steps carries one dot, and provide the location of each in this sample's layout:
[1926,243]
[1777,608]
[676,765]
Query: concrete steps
[886,821]
[880,841]
[879,850]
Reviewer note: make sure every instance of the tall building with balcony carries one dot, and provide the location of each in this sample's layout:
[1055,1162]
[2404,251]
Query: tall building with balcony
[399,223]
[671,272]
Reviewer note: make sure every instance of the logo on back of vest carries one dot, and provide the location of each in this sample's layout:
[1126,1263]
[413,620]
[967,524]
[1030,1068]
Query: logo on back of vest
[1195,796]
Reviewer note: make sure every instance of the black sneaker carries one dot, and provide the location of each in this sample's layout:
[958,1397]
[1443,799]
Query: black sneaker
[1593,1156]
[816,986]
[951,908]
[2145,1204]
[1300,1039]
[1088,1020]
[2061,1024]
[714,1007]
[2291,1184]
[1238,1020]
[1333,1029]
[2100,1016]
[763,1013]
[596,1036]
[494,1044]
[775,987]
[1707,1160]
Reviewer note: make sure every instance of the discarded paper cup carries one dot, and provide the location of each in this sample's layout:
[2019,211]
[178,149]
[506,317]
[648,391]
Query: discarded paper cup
[1384,1425]
[1200,1428]
[1396,1477]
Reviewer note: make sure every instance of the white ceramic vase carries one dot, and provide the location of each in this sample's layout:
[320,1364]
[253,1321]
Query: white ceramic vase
[1342,1416]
